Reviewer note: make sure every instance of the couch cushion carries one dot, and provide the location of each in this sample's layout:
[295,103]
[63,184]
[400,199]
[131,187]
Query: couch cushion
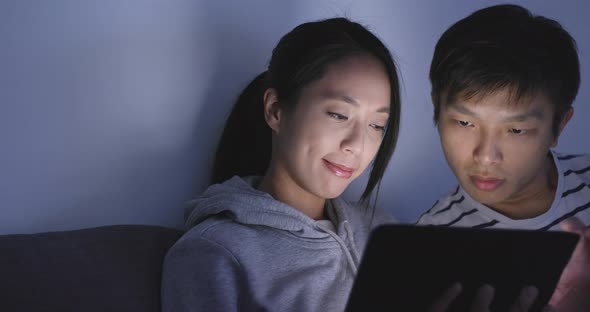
[109,268]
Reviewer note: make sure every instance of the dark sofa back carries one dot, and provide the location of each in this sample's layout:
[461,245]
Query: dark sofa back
[109,268]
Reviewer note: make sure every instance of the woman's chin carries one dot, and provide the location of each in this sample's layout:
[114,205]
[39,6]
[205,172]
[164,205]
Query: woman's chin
[329,193]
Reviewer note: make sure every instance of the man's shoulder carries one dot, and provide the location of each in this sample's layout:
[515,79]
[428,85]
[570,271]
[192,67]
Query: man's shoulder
[575,196]
[444,209]
[576,164]
[568,156]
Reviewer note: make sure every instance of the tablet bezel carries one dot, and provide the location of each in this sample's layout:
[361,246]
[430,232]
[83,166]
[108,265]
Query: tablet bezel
[406,267]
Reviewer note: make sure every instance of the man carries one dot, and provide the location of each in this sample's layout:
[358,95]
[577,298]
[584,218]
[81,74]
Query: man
[503,84]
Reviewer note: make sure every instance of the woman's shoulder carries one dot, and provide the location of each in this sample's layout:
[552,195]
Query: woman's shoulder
[218,230]
[364,213]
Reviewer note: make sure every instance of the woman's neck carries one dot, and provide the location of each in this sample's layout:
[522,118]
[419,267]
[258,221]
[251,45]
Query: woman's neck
[283,188]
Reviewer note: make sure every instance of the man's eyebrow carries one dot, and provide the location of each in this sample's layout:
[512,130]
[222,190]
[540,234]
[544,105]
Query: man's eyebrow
[533,114]
[462,109]
[352,101]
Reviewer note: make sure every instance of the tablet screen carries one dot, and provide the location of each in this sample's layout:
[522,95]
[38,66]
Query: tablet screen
[407,267]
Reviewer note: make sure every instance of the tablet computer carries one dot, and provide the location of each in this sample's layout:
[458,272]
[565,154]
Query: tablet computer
[408,267]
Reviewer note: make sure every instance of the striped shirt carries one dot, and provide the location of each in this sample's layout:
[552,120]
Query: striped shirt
[572,199]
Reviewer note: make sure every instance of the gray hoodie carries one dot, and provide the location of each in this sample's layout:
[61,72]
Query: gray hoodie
[246,251]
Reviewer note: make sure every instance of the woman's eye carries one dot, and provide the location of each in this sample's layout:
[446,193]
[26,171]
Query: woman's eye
[337,116]
[464,123]
[377,127]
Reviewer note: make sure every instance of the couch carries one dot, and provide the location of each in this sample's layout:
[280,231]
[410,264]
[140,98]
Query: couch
[107,268]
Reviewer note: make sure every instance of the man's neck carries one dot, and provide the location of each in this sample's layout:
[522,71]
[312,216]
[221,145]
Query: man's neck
[535,202]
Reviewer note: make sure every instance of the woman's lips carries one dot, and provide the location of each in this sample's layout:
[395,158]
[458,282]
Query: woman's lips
[486,184]
[339,170]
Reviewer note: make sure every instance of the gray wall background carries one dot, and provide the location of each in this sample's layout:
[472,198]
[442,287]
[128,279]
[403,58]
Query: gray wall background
[110,110]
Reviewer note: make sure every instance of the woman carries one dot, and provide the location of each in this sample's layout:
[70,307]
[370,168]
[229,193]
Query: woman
[329,107]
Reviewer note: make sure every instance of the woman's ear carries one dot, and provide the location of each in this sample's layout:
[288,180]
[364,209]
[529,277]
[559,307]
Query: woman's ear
[272,109]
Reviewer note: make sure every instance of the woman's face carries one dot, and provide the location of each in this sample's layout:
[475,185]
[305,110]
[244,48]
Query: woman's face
[335,129]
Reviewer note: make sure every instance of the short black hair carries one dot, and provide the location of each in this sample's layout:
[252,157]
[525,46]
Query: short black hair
[506,46]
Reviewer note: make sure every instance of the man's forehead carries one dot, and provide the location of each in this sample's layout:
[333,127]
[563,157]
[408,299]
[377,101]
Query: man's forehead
[510,99]
[505,106]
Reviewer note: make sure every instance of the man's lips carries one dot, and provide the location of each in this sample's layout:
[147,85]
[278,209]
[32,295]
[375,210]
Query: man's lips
[486,183]
[339,170]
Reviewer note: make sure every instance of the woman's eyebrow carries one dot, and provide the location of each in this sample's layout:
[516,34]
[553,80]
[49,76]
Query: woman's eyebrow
[352,101]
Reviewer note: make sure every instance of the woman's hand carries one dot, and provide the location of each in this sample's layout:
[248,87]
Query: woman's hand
[572,293]
[483,299]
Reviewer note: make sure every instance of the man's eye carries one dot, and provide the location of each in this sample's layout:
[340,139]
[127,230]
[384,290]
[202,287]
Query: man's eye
[517,131]
[337,116]
[464,123]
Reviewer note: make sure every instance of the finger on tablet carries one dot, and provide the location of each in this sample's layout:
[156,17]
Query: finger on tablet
[525,300]
[443,302]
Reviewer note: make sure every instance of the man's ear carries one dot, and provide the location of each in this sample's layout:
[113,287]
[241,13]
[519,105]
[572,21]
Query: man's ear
[434,108]
[272,109]
[566,118]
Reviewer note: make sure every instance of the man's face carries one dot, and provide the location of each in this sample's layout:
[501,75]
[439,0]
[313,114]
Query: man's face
[498,148]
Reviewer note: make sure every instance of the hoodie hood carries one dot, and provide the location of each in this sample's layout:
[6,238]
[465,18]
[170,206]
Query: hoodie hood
[239,200]
[243,241]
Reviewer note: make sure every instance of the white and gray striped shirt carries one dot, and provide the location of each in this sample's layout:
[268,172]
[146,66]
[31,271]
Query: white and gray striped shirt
[572,199]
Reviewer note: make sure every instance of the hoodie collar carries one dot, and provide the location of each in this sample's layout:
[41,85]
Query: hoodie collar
[239,200]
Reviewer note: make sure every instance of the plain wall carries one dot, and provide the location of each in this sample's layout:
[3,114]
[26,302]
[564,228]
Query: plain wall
[110,111]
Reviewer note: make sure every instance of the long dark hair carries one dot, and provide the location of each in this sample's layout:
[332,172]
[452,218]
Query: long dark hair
[301,57]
